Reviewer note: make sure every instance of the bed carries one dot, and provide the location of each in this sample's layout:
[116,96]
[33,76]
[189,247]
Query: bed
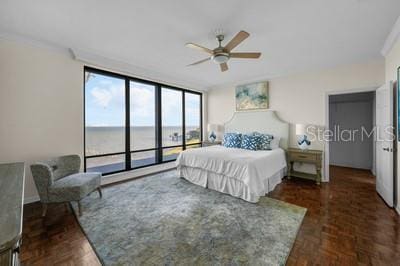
[241,173]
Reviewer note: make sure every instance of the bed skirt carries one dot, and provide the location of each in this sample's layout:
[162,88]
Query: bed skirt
[228,185]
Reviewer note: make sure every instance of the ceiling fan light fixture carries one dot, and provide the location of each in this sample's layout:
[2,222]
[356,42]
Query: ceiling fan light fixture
[222,54]
[220,58]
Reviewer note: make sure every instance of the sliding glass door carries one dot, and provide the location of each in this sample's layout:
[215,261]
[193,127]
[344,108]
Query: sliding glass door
[132,123]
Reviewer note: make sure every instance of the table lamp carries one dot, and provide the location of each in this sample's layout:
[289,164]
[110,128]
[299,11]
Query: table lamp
[302,140]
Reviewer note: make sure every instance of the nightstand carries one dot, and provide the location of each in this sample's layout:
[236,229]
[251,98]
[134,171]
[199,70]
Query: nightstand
[207,143]
[305,156]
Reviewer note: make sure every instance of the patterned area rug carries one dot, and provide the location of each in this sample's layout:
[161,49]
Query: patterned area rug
[165,220]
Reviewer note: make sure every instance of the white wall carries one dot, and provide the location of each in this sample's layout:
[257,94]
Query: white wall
[41,105]
[41,108]
[301,98]
[392,62]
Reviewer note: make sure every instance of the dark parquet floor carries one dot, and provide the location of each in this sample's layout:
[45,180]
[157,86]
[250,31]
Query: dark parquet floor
[347,223]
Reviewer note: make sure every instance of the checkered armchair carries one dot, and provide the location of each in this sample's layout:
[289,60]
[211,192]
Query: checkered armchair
[59,180]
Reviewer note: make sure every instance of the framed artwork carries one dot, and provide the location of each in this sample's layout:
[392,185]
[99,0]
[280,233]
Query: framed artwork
[252,96]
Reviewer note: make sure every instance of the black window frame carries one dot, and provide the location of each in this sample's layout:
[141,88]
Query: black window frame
[158,149]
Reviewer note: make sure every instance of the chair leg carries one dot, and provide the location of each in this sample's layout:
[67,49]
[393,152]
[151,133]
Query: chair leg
[66,205]
[44,209]
[100,193]
[79,208]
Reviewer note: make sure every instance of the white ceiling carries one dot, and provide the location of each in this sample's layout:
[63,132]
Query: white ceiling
[292,35]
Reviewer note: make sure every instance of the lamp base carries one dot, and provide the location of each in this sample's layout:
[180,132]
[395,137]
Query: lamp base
[212,137]
[303,143]
[303,146]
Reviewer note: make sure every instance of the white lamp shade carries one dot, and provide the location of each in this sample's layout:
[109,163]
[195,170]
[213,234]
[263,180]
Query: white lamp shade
[210,127]
[300,129]
[214,127]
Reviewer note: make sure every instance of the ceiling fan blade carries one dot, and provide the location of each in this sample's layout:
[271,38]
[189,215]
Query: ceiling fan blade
[240,37]
[199,62]
[199,47]
[245,55]
[224,67]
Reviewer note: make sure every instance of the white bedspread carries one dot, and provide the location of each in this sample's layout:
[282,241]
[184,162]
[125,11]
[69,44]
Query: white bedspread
[249,167]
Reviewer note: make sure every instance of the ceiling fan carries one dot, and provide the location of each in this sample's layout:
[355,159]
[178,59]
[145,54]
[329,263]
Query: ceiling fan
[222,54]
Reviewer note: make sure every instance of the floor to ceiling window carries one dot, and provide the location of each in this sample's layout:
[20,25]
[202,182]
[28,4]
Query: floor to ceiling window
[132,123]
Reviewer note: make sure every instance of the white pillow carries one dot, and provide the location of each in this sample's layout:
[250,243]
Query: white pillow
[275,143]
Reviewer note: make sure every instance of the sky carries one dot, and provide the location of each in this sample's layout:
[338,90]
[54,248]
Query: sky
[105,104]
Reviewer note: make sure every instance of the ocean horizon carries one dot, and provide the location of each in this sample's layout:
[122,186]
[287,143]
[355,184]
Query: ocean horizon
[111,139]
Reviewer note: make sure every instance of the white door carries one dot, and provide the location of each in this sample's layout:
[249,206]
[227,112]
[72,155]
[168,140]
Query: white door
[384,143]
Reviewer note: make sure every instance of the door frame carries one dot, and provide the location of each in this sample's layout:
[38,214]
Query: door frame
[326,124]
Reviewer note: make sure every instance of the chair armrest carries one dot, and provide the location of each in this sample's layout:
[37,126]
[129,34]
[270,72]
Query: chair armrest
[43,177]
[42,171]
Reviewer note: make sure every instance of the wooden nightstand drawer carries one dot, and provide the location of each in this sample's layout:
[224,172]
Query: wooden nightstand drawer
[303,157]
[308,156]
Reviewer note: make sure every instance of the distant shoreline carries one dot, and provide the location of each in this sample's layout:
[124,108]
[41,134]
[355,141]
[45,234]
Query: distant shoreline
[188,126]
[111,139]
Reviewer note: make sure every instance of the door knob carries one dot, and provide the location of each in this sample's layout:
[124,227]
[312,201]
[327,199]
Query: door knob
[386,149]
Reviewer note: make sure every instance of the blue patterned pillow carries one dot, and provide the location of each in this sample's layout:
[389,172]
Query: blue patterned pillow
[250,142]
[264,141]
[232,140]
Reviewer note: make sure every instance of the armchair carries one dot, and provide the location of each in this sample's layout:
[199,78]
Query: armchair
[58,180]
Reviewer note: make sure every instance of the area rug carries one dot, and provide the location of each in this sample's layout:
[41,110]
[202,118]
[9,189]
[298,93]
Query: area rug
[165,220]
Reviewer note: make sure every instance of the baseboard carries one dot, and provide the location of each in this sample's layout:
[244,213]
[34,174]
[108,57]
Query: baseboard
[121,177]
[126,176]
[373,172]
[32,199]
[351,167]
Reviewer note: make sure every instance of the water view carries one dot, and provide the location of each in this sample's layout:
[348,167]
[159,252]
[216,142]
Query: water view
[106,114]
[105,140]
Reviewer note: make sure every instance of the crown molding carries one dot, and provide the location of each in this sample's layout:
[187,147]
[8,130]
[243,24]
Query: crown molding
[133,70]
[105,62]
[30,41]
[391,40]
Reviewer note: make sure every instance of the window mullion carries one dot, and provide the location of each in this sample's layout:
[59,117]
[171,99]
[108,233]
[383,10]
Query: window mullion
[201,117]
[183,122]
[158,124]
[127,125]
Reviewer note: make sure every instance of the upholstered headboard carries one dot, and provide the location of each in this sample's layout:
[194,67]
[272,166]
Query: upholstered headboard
[265,121]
